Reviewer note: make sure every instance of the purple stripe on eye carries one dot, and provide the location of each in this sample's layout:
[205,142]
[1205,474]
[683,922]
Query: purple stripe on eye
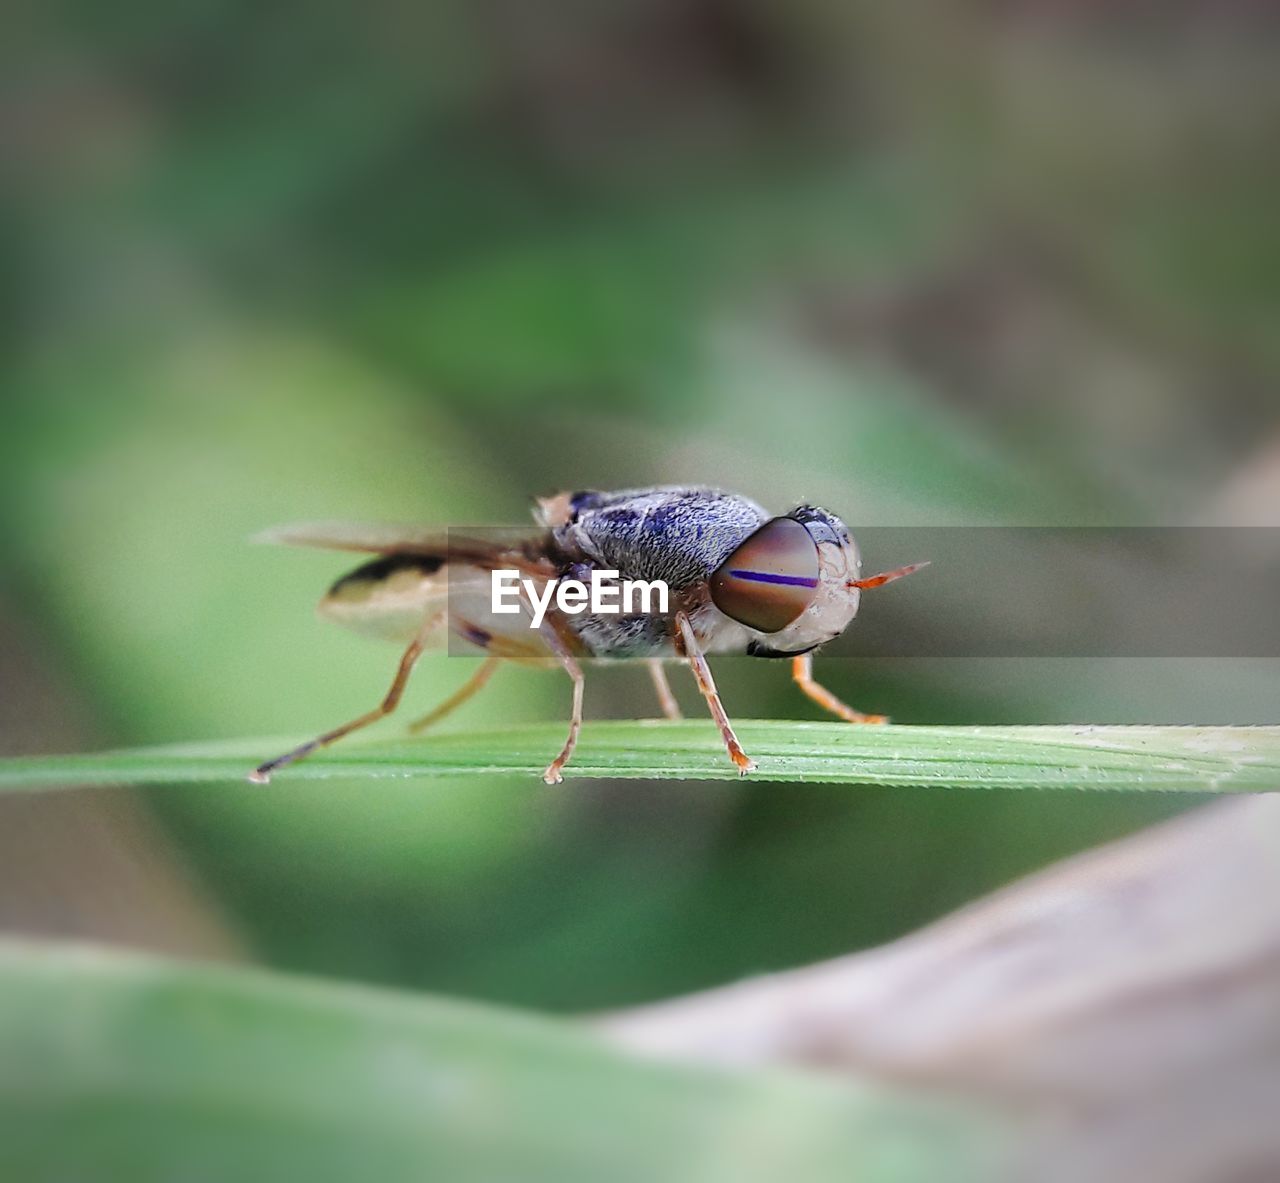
[769,577]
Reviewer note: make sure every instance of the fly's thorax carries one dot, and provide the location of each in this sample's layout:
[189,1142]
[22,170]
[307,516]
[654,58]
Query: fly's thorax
[677,535]
[625,637]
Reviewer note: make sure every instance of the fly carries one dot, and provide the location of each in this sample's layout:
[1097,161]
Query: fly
[740,581]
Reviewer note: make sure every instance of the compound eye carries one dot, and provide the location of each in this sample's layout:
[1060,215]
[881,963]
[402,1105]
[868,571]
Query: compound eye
[770,579]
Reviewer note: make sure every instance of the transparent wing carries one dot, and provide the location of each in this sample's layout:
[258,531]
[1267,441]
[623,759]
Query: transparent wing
[522,547]
[393,595]
[367,537]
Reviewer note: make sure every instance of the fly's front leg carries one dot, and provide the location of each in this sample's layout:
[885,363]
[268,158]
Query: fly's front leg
[706,683]
[468,688]
[802,672]
[262,774]
[666,700]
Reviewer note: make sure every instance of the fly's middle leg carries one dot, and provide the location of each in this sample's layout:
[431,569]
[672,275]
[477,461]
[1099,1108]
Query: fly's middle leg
[666,700]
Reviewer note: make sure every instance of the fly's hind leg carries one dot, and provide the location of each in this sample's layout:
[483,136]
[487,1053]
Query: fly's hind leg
[802,672]
[688,641]
[470,687]
[262,774]
[666,700]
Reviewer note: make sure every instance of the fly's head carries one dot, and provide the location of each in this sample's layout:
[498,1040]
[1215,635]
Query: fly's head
[795,580]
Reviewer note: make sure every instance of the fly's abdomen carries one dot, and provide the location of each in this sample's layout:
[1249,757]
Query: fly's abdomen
[389,597]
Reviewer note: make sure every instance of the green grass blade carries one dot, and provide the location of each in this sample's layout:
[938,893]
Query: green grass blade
[121,1069]
[1190,759]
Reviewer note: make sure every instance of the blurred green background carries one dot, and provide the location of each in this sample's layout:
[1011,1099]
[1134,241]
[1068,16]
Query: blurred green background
[924,264]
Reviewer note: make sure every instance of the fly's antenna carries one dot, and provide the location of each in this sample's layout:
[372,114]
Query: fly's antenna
[886,576]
